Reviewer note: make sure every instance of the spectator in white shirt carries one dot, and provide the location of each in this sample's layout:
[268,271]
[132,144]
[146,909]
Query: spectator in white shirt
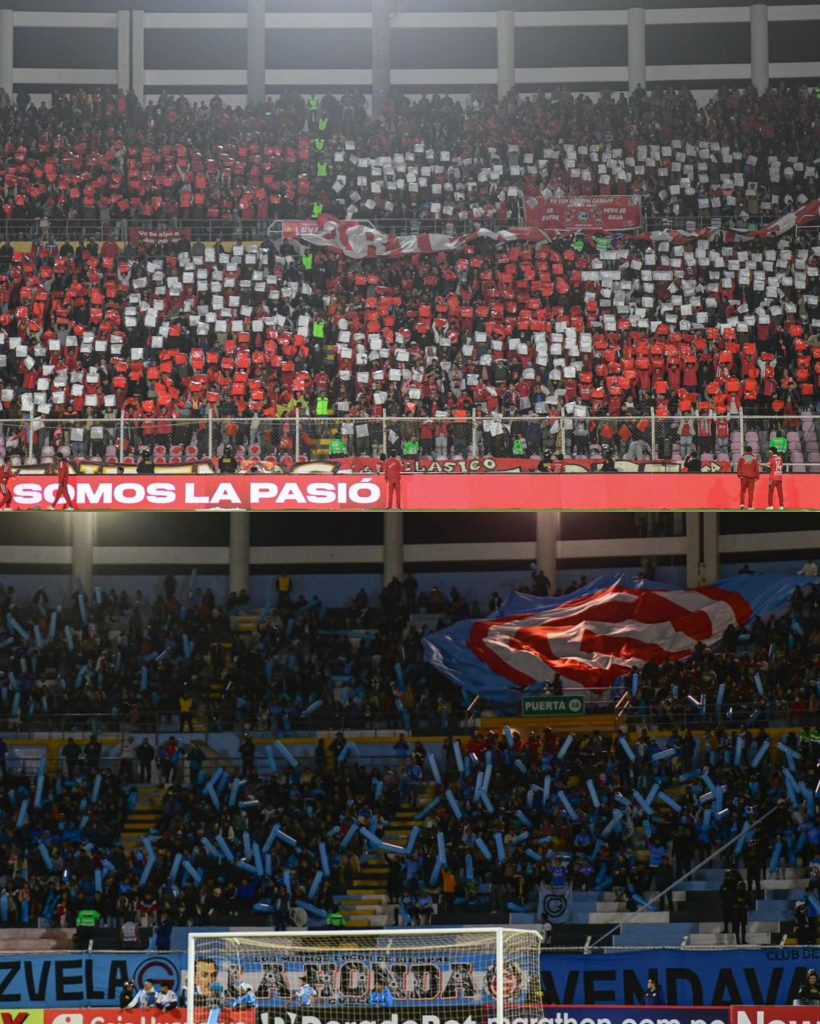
[167,998]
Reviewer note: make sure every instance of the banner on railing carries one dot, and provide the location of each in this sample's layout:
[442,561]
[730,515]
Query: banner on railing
[416,491]
[605,985]
[158,236]
[686,977]
[82,978]
[583,213]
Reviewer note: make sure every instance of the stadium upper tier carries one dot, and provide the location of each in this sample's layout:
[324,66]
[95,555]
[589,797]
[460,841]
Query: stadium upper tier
[94,158]
[686,326]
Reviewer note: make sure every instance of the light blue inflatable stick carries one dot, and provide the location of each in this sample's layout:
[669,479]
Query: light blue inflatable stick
[454,805]
[761,753]
[283,750]
[314,885]
[442,849]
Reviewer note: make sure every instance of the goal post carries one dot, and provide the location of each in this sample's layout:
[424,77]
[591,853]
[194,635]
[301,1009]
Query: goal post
[385,976]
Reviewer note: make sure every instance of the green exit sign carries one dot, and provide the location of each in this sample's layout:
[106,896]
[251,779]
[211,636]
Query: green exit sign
[552,706]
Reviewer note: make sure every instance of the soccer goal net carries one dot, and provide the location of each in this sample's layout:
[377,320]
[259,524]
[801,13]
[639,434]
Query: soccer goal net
[429,976]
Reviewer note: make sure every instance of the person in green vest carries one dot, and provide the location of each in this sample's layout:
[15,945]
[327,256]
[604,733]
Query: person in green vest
[87,920]
[323,408]
[519,446]
[313,109]
[336,919]
[337,446]
[319,145]
[319,330]
[410,447]
[88,917]
[307,260]
[322,124]
[322,168]
[316,211]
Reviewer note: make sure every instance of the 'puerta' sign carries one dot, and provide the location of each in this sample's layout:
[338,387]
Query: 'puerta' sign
[549,706]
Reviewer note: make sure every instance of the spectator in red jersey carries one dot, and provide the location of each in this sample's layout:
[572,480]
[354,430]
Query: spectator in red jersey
[748,469]
[392,475]
[5,478]
[63,473]
[775,478]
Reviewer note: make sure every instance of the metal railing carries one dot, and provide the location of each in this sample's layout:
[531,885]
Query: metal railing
[470,443]
[215,229]
[237,229]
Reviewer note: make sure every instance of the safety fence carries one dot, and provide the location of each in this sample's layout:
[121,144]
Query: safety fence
[234,228]
[473,443]
[701,712]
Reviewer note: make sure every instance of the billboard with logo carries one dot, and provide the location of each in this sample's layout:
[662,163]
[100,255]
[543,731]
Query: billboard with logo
[775,1015]
[21,1016]
[423,492]
[81,979]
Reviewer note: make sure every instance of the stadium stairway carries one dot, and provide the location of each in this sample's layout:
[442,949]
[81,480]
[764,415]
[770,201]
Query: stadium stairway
[695,920]
[145,816]
[365,904]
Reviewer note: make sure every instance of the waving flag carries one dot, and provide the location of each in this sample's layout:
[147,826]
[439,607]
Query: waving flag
[590,638]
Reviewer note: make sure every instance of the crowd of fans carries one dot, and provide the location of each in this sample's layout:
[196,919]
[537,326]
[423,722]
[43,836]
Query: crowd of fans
[61,831]
[125,661]
[96,157]
[564,345]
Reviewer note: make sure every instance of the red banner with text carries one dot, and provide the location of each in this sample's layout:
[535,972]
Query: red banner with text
[149,1015]
[774,1015]
[584,213]
[415,491]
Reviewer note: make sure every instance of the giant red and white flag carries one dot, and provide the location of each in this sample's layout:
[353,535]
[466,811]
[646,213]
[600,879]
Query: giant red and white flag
[591,638]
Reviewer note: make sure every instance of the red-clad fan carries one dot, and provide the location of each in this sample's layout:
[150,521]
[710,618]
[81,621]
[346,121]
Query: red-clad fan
[775,478]
[6,474]
[392,475]
[748,469]
[63,492]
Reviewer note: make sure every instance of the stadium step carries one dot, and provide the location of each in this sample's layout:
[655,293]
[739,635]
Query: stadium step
[145,816]
[365,905]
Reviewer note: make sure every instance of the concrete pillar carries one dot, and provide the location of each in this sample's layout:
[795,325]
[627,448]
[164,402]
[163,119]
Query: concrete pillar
[82,551]
[636,46]
[239,550]
[711,546]
[256,52]
[138,54]
[124,50]
[393,545]
[693,548]
[381,54]
[759,23]
[505,43]
[547,528]
[7,51]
